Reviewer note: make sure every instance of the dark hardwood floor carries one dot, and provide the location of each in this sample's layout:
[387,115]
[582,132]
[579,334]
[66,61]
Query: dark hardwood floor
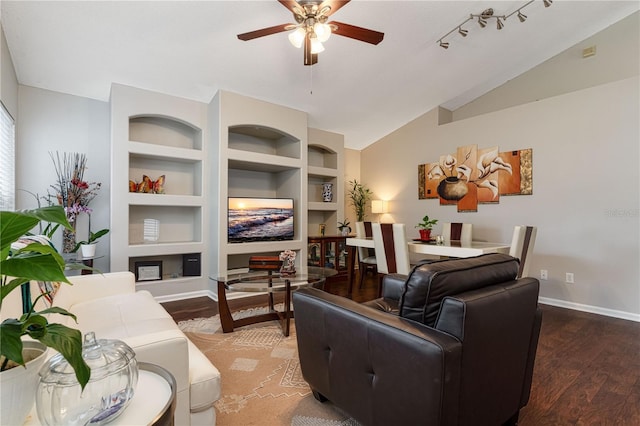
[587,368]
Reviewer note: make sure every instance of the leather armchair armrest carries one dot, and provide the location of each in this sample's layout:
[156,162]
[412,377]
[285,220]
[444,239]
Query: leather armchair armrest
[393,286]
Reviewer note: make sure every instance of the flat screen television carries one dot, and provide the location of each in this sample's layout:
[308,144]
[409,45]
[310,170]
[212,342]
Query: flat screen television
[260,219]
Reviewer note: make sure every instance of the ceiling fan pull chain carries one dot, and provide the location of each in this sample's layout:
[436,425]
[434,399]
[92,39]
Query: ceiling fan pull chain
[311,80]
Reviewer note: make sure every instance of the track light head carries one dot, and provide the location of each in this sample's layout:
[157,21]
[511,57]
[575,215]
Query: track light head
[499,24]
[482,22]
[462,32]
[522,17]
[444,45]
[547,3]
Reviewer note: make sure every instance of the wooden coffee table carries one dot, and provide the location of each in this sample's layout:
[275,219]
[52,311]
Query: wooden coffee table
[268,283]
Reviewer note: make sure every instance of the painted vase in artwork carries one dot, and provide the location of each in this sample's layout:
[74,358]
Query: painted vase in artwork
[452,188]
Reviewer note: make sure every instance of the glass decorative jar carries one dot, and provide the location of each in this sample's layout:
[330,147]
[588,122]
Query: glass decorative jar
[114,375]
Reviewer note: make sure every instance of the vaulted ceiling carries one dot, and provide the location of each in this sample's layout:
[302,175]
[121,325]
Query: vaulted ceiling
[189,49]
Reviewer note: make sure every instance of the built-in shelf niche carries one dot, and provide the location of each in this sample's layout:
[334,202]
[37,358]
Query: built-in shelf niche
[329,218]
[172,267]
[263,140]
[181,177]
[319,156]
[166,131]
[177,224]
[314,191]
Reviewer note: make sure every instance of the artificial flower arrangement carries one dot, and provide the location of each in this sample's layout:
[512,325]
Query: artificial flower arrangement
[71,191]
[288,258]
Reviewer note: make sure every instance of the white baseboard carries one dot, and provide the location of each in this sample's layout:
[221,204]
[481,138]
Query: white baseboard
[591,309]
[183,296]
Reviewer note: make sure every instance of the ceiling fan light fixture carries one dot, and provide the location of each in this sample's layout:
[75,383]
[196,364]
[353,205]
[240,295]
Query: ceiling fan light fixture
[297,37]
[316,46]
[323,31]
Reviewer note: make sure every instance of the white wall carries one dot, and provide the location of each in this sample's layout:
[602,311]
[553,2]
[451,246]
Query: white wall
[585,198]
[52,121]
[8,80]
[617,57]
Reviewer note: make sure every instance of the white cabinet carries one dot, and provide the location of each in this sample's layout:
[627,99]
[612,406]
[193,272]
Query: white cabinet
[158,135]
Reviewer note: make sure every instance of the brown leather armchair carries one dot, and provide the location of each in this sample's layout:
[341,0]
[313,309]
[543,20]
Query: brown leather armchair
[452,343]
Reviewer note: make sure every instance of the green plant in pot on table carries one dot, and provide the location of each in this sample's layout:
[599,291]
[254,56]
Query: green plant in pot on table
[344,227]
[88,247]
[425,227]
[20,265]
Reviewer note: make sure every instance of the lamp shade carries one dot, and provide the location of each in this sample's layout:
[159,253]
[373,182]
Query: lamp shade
[297,37]
[379,206]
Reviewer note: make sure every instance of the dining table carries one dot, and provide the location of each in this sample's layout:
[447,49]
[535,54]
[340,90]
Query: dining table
[448,248]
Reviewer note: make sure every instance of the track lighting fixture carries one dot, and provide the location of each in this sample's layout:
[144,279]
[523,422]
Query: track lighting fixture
[522,17]
[484,17]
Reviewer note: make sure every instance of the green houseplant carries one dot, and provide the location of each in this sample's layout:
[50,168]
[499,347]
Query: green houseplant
[344,227]
[359,196]
[425,227]
[93,239]
[35,262]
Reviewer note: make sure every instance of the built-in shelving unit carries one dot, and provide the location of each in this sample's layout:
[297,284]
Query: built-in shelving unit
[260,152]
[325,165]
[159,135]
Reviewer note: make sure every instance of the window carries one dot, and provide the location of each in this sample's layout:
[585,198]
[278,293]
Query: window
[7,161]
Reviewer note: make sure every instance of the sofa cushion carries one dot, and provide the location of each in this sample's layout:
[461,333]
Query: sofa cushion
[429,283]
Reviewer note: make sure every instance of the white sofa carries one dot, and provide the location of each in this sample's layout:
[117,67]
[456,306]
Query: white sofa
[109,305]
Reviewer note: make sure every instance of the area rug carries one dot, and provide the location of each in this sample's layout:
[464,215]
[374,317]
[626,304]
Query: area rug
[261,379]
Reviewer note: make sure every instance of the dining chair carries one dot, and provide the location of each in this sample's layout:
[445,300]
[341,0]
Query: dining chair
[366,256]
[457,231]
[392,250]
[522,243]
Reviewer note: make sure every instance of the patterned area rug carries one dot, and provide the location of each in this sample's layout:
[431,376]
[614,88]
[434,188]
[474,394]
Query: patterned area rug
[261,379]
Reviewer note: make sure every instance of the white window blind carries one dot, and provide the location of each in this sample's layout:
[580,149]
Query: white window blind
[7,161]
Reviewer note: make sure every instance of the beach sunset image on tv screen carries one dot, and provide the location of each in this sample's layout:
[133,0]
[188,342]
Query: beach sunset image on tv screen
[260,219]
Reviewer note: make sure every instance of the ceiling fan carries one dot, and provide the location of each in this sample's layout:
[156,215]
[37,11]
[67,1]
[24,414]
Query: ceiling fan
[312,29]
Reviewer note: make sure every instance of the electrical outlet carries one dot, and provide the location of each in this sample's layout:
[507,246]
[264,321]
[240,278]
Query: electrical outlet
[569,278]
[544,274]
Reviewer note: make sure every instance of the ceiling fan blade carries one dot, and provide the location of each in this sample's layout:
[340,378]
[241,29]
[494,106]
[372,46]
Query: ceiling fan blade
[358,33]
[333,4]
[292,5]
[263,32]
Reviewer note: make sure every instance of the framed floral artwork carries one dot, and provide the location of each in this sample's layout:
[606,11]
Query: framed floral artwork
[473,176]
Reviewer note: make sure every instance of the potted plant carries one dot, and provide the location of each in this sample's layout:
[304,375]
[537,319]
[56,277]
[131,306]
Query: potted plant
[20,265]
[359,195]
[344,227]
[425,227]
[89,247]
